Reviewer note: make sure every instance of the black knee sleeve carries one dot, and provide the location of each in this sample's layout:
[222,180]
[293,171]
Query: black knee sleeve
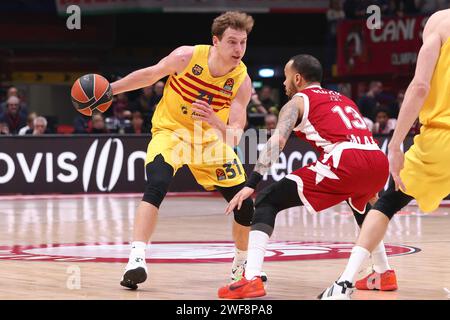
[271,200]
[391,202]
[358,216]
[244,215]
[159,175]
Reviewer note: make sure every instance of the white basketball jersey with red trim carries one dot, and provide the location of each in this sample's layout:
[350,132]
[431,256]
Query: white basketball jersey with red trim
[331,119]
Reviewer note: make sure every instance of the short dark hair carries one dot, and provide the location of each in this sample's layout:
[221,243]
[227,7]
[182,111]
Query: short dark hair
[308,66]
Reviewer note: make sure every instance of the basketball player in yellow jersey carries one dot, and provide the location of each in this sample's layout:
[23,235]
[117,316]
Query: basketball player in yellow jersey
[204,101]
[422,173]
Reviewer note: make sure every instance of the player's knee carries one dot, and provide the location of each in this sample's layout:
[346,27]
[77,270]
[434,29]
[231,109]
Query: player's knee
[263,199]
[391,202]
[244,215]
[159,174]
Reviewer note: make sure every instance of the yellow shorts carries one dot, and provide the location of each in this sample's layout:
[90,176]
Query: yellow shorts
[426,175]
[212,164]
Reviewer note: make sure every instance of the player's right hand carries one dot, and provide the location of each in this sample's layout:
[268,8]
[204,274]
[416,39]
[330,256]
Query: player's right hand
[396,161]
[238,199]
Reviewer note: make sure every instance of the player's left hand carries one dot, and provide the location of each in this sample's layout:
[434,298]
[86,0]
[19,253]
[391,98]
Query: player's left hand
[238,199]
[396,161]
[204,112]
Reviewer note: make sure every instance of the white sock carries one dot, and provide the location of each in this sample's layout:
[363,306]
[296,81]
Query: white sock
[257,245]
[359,254]
[379,258]
[239,257]
[138,249]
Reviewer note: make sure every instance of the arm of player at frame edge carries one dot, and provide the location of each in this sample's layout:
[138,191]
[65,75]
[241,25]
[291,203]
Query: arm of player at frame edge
[289,114]
[175,62]
[415,96]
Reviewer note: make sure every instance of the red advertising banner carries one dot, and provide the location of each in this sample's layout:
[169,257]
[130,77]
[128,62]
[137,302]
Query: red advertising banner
[392,48]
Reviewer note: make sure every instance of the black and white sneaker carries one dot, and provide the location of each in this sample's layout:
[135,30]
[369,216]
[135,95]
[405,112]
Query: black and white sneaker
[135,273]
[238,272]
[337,291]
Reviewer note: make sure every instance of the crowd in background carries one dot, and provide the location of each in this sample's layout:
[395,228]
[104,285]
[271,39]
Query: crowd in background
[132,114]
[380,109]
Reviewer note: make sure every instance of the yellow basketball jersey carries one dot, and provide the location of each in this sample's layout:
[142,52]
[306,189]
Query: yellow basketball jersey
[436,109]
[174,111]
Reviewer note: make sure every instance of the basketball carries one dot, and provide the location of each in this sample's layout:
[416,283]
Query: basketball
[91,92]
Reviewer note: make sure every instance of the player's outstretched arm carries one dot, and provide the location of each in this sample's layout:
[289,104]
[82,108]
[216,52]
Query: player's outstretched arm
[289,115]
[175,62]
[419,87]
[415,96]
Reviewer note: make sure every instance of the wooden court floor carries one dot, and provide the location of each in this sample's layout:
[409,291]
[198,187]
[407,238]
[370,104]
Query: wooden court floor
[76,247]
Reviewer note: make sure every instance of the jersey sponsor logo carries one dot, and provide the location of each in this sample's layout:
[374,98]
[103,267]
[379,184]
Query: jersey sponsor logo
[220,174]
[197,70]
[229,84]
[185,252]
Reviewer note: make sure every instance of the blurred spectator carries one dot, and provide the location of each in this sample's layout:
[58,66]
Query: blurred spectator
[97,124]
[395,106]
[146,101]
[335,13]
[120,120]
[355,9]
[270,121]
[4,128]
[255,105]
[13,92]
[265,96]
[400,8]
[345,89]
[137,124]
[12,117]
[267,99]
[81,124]
[431,6]
[369,123]
[39,126]
[368,103]
[30,123]
[383,124]
[159,90]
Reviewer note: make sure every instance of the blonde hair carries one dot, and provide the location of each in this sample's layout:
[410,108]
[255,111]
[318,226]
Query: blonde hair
[234,20]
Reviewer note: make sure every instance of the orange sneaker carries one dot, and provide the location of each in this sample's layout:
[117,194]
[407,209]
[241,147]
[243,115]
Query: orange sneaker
[386,281]
[243,289]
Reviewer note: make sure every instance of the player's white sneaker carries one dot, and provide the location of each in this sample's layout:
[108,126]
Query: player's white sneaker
[337,291]
[238,272]
[135,273]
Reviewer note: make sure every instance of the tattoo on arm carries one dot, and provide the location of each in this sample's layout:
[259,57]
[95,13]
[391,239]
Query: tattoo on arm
[286,123]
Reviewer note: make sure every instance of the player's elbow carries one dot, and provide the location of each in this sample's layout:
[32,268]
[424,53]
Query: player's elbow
[420,89]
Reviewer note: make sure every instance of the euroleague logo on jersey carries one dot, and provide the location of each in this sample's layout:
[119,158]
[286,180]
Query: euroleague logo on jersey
[186,252]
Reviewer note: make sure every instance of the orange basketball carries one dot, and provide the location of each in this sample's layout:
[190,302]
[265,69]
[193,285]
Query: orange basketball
[91,92]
